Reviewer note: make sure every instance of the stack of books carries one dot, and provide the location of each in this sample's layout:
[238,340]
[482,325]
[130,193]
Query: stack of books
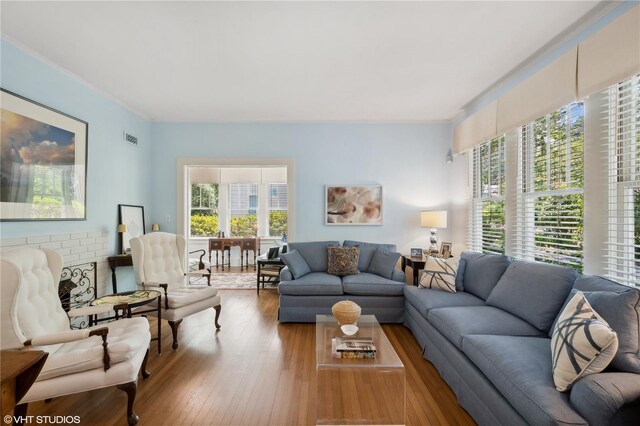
[353,347]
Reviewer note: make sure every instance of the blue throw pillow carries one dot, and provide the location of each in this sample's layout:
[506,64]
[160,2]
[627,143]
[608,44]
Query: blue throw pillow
[296,263]
[383,263]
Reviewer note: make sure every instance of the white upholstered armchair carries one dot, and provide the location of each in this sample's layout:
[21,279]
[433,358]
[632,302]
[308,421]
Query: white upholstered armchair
[32,316]
[159,264]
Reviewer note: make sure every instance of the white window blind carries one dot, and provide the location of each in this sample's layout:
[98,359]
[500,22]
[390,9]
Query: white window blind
[549,224]
[622,126]
[487,231]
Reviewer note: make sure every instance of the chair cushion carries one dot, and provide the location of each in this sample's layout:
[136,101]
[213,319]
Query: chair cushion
[126,337]
[621,312]
[187,295]
[582,343]
[314,253]
[366,284]
[543,286]
[342,260]
[312,284]
[367,250]
[440,274]
[458,322]
[296,263]
[520,368]
[383,263]
[482,272]
[424,299]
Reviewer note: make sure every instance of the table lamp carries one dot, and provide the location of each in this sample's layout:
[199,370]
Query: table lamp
[122,228]
[155,227]
[433,220]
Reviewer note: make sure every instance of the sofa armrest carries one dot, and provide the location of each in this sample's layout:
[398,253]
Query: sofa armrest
[285,274]
[398,275]
[599,397]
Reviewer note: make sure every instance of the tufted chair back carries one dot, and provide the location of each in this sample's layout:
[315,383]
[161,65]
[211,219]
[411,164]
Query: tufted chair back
[159,257]
[30,305]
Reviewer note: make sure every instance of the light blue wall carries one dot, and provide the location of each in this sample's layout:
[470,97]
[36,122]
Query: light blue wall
[117,173]
[409,160]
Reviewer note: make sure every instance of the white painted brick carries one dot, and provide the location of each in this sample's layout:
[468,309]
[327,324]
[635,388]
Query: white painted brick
[78,236]
[53,246]
[94,247]
[11,242]
[70,243]
[61,237]
[105,245]
[35,246]
[94,234]
[38,239]
[64,251]
[101,239]
[71,258]
[77,250]
[102,253]
[88,255]
[87,241]
[105,233]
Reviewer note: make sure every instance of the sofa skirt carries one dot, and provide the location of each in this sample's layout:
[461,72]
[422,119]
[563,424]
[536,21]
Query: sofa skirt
[293,308]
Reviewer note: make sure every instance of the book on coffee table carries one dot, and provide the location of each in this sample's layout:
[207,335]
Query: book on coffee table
[353,347]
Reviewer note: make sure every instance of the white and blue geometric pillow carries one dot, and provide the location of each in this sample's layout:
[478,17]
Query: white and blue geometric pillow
[440,273]
[582,343]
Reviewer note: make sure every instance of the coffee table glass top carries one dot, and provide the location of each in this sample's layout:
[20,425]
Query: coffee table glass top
[132,298]
[327,328]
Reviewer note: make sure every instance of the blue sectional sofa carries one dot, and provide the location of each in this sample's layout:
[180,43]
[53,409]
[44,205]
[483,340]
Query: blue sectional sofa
[316,292]
[490,341]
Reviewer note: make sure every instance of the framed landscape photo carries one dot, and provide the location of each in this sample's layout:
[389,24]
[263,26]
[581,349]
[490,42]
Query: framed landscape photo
[416,252]
[43,162]
[133,217]
[353,205]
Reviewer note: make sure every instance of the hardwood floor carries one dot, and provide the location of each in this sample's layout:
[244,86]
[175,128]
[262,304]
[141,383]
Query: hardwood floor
[253,371]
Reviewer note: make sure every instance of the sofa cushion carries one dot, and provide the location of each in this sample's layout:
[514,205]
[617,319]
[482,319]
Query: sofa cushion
[424,299]
[342,260]
[520,368]
[460,274]
[314,253]
[458,322]
[599,397]
[296,263]
[367,250]
[383,263]
[440,274]
[366,284]
[533,291]
[622,315]
[187,295]
[482,272]
[312,284]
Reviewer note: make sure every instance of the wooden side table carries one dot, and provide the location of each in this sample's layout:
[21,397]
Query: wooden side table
[115,262]
[268,269]
[19,369]
[416,264]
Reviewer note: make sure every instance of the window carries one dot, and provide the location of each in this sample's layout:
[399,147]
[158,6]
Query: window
[550,188]
[622,124]
[277,207]
[487,211]
[243,205]
[204,209]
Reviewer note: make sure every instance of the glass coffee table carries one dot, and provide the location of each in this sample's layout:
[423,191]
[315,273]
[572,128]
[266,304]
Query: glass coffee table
[358,391]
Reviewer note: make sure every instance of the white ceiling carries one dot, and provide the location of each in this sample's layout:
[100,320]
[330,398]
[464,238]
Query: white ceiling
[289,61]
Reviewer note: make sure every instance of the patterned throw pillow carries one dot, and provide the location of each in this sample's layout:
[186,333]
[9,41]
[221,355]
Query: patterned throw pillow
[582,343]
[343,260]
[440,273]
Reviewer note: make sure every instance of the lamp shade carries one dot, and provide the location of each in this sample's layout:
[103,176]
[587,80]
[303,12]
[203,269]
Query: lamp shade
[122,228]
[155,227]
[433,219]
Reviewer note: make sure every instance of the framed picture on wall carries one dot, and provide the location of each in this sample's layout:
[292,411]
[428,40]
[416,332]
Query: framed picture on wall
[353,205]
[133,218]
[43,162]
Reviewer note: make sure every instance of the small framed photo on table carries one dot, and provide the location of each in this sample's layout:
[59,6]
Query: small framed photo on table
[416,252]
[445,250]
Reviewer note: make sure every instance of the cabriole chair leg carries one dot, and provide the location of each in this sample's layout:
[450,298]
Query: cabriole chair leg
[217,308]
[143,367]
[130,389]
[174,330]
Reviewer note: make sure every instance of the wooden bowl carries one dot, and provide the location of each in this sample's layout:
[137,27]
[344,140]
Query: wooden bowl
[346,312]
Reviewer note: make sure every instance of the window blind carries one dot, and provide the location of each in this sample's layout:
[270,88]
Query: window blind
[550,177]
[487,219]
[622,149]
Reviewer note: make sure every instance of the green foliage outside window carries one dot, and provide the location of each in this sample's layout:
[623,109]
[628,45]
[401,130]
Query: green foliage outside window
[493,231]
[204,225]
[277,223]
[244,226]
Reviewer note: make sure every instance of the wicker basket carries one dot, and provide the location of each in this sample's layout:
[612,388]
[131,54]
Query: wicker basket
[346,312]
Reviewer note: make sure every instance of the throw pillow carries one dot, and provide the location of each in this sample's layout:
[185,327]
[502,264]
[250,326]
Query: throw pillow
[582,343]
[440,274]
[343,260]
[383,263]
[295,263]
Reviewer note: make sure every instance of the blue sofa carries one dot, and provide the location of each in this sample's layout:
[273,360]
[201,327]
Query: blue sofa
[316,292]
[490,341]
